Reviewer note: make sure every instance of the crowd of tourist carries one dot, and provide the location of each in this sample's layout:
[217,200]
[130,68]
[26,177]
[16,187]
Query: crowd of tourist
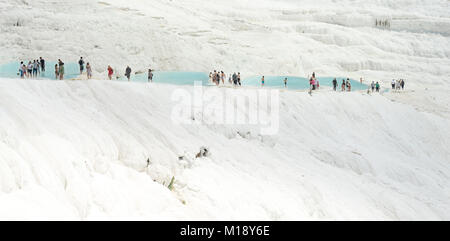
[34,68]
[219,77]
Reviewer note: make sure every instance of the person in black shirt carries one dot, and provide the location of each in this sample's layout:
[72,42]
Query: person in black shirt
[128,72]
[42,64]
[81,63]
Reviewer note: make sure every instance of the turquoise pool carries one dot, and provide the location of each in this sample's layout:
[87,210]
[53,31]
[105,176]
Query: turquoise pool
[178,78]
[294,83]
[11,70]
[185,78]
[298,83]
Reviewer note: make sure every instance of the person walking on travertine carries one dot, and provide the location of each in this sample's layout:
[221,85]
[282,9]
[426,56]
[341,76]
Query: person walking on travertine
[89,70]
[81,63]
[110,72]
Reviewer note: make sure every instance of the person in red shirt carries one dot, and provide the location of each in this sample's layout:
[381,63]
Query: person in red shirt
[110,72]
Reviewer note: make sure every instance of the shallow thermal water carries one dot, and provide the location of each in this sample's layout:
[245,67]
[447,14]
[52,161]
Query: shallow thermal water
[298,83]
[172,77]
[11,70]
[189,78]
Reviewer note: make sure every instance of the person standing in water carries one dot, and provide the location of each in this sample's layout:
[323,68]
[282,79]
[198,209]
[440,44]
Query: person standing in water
[81,63]
[218,78]
[334,84]
[128,72]
[214,77]
[24,69]
[150,75]
[222,77]
[38,62]
[377,87]
[35,67]
[372,86]
[262,81]
[343,85]
[88,70]
[314,80]
[314,83]
[42,64]
[30,69]
[239,78]
[56,71]
[285,82]
[21,70]
[61,69]
[110,72]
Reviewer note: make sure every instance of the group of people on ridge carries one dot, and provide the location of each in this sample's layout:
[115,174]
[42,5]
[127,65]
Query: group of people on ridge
[88,68]
[374,86]
[398,84]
